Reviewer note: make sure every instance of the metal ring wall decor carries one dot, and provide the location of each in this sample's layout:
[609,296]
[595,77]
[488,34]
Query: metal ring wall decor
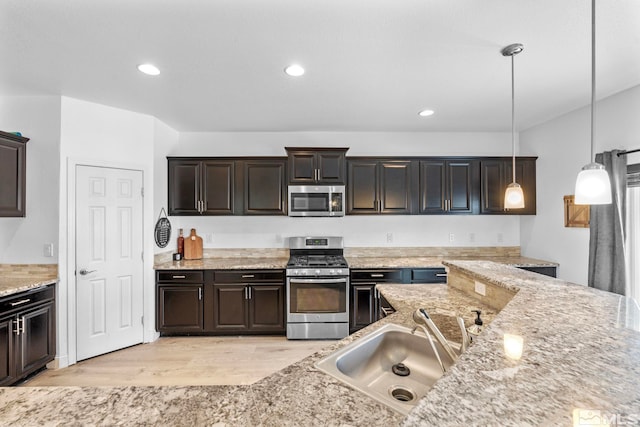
[163,230]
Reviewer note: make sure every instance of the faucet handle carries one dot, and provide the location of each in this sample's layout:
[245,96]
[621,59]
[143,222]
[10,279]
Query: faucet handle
[465,335]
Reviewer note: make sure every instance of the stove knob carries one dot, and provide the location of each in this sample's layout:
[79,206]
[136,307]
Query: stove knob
[339,271]
[332,271]
[318,272]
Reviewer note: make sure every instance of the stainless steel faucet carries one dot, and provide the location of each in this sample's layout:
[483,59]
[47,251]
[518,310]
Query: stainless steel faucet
[421,317]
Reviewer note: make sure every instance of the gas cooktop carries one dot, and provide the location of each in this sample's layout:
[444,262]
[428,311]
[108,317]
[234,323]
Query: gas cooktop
[314,261]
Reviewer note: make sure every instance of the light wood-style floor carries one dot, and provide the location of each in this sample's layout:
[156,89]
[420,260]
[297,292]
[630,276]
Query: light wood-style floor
[185,361]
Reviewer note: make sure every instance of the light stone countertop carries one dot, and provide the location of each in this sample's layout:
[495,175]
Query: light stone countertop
[426,262]
[295,396]
[577,354]
[14,285]
[247,263]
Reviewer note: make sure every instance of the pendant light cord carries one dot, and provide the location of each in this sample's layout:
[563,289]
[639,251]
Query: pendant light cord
[513,120]
[593,77]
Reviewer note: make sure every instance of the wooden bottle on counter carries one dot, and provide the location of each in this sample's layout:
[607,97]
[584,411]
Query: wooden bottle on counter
[193,246]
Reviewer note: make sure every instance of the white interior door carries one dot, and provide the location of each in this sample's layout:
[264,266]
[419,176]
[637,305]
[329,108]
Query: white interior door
[109,266]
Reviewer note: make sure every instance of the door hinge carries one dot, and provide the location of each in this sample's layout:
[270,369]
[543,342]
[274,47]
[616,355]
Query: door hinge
[142,320]
[142,191]
[142,256]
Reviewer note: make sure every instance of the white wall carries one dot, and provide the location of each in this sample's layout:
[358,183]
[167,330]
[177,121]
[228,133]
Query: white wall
[38,118]
[165,139]
[562,147]
[101,135]
[432,230]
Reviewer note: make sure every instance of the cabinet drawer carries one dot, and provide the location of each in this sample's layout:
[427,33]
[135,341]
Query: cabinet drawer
[428,275]
[26,299]
[377,275]
[180,276]
[249,276]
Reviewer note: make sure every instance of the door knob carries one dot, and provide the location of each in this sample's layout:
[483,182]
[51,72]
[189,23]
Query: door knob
[84,271]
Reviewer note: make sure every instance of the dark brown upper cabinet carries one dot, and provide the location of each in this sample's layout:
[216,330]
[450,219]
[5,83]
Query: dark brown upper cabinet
[227,186]
[496,174]
[264,186]
[449,186]
[13,165]
[317,165]
[201,187]
[378,186]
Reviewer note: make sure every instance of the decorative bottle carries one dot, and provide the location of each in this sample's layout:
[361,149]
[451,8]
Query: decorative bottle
[181,244]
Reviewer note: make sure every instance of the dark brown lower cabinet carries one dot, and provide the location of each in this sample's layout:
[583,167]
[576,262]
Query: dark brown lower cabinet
[180,308]
[27,333]
[364,307]
[249,308]
[208,302]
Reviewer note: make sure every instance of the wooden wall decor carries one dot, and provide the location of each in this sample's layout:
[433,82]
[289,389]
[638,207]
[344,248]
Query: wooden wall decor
[575,215]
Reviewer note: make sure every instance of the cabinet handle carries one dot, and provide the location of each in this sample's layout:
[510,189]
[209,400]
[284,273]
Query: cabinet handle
[179,277]
[377,275]
[17,329]
[248,276]
[200,294]
[22,301]
[441,274]
[249,289]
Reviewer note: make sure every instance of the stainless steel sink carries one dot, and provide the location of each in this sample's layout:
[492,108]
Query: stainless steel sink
[367,365]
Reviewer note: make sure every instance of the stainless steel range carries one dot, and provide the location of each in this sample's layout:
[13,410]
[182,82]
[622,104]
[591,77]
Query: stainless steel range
[317,289]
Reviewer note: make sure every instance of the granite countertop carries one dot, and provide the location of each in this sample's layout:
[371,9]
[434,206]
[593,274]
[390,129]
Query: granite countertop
[258,263]
[14,285]
[248,263]
[296,395]
[578,354]
[425,262]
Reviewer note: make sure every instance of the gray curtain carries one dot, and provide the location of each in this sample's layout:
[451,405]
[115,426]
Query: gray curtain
[607,265]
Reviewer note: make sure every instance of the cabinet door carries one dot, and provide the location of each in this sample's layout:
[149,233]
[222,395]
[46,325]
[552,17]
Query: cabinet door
[362,191]
[364,309]
[37,340]
[526,177]
[395,187]
[302,167]
[432,186]
[218,183]
[230,307]
[7,360]
[492,174]
[265,187]
[179,308]
[184,187]
[266,308]
[460,186]
[331,167]
[12,178]
[496,175]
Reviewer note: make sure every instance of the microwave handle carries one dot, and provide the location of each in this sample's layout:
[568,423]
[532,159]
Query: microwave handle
[341,280]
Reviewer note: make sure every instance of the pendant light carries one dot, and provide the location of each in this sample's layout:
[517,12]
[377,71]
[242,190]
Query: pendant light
[593,186]
[513,196]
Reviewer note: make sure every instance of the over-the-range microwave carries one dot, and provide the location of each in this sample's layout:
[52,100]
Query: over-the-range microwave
[316,200]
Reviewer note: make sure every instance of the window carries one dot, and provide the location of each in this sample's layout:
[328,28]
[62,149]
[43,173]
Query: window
[633,231]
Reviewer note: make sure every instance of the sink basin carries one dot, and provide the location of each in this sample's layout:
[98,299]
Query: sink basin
[367,365]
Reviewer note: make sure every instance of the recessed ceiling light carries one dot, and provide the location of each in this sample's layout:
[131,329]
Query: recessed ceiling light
[149,69]
[426,113]
[294,70]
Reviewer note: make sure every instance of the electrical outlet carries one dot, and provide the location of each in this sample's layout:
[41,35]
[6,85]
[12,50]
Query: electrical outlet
[47,250]
[208,238]
[452,237]
[279,238]
[389,237]
[500,238]
[481,288]
[472,237]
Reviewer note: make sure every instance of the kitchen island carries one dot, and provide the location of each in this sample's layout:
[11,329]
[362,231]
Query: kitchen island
[578,354]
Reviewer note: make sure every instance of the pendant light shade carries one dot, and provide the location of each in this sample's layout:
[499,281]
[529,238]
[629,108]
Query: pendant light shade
[513,195]
[593,186]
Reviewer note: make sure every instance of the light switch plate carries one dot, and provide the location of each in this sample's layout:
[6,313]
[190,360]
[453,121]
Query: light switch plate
[481,288]
[47,250]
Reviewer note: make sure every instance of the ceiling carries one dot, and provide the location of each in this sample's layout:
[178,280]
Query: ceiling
[371,65]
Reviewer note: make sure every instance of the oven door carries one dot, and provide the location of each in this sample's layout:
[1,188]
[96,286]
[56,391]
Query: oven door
[317,300]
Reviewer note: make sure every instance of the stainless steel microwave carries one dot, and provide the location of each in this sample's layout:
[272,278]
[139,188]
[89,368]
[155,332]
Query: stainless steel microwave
[316,200]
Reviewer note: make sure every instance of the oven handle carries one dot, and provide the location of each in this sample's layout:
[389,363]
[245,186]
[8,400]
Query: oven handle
[343,280]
